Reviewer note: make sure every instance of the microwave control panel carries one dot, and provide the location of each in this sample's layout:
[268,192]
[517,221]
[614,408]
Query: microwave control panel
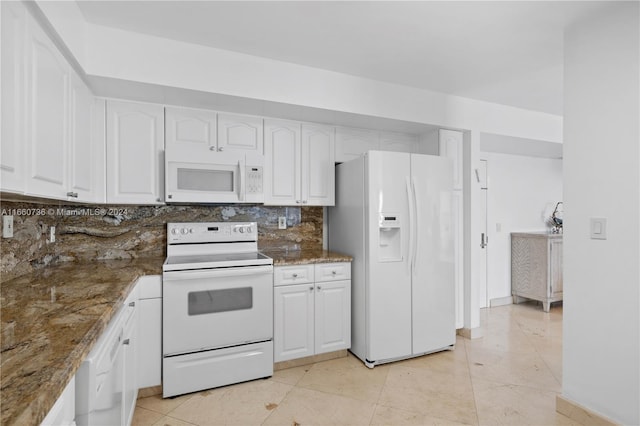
[254,179]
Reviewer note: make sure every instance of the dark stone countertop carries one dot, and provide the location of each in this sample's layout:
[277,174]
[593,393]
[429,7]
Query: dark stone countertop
[283,257]
[51,320]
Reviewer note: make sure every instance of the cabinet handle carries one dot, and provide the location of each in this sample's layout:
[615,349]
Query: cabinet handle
[125,342]
[333,272]
[319,288]
[297,201]
[72,194]
[304,202]
[311,288]
[221,149]
[294,275]
[158,200]
[132,304]
[212,148]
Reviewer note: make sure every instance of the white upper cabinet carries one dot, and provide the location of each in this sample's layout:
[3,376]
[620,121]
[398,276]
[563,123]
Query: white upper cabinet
[191,131]
[352,143]
[318,165]
[135,153]
[48,124]
[282,176]
[299,167]
[241,133]
[451,147]
[398,142]
[12,97]
[52,126]
[86,144]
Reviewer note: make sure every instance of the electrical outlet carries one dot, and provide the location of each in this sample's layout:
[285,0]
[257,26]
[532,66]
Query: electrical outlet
[282,222]
[7,226]
[52,234]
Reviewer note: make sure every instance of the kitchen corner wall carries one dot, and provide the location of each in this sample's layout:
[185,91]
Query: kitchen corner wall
[85,233]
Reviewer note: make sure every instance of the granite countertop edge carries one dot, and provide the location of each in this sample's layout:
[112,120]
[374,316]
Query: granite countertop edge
[283,257]
[34,408]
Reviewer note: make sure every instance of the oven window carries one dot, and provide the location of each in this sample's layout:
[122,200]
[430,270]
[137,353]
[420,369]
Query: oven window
[205,180]
[214,301]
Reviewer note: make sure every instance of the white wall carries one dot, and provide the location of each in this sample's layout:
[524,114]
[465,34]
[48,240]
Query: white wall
[522,193]
[601,337]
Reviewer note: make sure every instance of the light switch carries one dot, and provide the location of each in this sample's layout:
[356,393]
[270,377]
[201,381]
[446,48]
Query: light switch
[598,228]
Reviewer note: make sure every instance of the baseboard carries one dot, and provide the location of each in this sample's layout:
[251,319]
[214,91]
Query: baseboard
[580,414]
[150,391]
[282,365]
[470,333]
[501,301]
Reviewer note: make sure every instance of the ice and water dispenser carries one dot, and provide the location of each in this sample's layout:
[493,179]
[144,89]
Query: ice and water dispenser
[390,249]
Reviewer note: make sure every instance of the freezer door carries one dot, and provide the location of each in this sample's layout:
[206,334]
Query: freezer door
[433,303]
[388,283]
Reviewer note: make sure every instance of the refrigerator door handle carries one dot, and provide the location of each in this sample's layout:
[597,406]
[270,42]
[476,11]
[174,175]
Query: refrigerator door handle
[416,220]
[411,199]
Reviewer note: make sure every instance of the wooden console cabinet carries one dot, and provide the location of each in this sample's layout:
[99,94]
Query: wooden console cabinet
[536,267]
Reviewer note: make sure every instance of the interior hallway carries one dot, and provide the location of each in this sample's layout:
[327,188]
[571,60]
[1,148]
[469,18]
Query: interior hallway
[511,376]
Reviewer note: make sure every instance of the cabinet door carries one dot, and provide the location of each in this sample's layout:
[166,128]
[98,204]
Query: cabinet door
[81,146]
[318,165]
[130,374]
[555,265]
[48,106]
[451,147]
[135,162]
[398,142]
[191,131]
[240,133]
[352,143]
[282,163]
[293,321]
[150,337]
[12,99]
[333,316]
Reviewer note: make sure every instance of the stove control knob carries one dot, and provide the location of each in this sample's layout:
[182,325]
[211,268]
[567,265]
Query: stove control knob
[249,230]
[184,231]
[241,229]
[191,230]
[174,231]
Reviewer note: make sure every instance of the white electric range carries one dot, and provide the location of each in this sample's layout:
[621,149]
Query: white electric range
[217,307]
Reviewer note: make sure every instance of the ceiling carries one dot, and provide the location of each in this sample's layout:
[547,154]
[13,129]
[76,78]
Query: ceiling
[508,52]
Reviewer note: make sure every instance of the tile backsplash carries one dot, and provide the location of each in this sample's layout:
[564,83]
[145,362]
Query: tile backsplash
[89,232]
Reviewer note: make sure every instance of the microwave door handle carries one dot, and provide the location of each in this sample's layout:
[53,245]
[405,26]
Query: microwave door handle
[241,169]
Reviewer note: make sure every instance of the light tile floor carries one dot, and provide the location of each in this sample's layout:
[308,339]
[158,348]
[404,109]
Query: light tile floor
[511,376]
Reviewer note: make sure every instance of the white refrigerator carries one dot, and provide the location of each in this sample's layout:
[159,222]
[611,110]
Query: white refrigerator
[393,215]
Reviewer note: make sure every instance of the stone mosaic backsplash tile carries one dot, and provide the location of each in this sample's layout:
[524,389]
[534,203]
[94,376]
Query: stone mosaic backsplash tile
[89,232]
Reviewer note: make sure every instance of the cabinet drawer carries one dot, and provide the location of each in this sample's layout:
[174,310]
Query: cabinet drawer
[298,274]
[332,271]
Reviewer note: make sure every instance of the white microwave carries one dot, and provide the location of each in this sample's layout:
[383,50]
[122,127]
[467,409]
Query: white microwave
[218,178]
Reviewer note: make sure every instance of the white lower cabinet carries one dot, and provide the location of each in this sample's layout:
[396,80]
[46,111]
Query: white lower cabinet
[63,411]
[312,312]
[106,385]
[149,331]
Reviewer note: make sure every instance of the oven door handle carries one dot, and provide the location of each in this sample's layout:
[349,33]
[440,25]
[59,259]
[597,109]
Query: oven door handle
[216,273]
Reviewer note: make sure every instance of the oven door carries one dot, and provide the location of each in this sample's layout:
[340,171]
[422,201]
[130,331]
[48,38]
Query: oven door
[214,308]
